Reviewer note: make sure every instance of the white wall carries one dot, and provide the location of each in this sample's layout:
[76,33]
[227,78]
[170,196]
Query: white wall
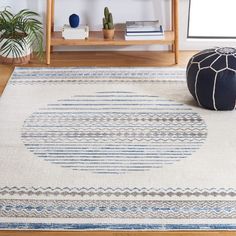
[195,44]
[91,13]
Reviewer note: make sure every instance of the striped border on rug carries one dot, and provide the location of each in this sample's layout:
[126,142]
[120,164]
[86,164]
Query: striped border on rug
[85,75]
[83,191]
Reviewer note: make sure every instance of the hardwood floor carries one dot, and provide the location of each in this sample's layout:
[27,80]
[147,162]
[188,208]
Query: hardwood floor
[5,73]
[60,59]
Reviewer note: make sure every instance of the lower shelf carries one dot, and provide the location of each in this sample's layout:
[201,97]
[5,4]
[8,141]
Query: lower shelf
[96,38]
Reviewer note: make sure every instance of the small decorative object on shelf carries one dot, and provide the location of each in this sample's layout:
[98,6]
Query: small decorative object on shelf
[74,20]
[81,32]
[211,78]
[144,30]
[21,34]
[143,26]
[108,26]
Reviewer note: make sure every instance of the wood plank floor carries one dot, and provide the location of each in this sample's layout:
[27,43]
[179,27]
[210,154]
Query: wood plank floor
[65,59]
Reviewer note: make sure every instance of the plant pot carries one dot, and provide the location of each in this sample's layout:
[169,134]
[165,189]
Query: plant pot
[11,59]
[108,34]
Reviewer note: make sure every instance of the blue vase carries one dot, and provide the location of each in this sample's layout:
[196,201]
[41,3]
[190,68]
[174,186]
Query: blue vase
[74,20]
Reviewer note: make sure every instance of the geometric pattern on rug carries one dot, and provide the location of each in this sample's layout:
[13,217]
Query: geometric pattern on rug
[97,75]
[118,192]
[114,132]
[118,209]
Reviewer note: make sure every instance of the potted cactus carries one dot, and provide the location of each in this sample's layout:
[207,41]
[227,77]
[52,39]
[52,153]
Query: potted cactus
[108,26]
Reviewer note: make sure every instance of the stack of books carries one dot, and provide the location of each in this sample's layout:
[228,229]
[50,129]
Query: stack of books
[143,30]
[81,32]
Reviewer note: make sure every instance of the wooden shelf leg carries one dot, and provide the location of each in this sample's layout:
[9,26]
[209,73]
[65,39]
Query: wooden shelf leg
[49,32]
[52,19]
[176,27]
[173,21]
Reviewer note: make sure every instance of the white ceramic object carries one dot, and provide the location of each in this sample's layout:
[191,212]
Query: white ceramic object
[25,52]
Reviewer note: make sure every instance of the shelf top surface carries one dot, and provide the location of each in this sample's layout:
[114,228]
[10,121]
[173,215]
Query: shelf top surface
[96,38]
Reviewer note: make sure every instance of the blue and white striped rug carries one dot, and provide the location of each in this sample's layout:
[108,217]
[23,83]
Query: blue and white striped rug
[113,149]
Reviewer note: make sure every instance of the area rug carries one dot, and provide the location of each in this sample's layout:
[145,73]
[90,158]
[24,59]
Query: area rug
[113,149]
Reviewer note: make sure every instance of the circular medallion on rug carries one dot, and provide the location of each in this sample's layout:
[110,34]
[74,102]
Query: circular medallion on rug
[114,132]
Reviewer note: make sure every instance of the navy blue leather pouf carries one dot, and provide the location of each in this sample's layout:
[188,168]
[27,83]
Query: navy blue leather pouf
[74,20]
[211,78]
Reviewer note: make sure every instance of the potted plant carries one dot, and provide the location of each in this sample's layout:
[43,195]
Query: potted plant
[108,26]
[20,35]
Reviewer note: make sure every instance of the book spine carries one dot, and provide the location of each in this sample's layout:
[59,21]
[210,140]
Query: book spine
[127,37]
[143,29]
[141,33]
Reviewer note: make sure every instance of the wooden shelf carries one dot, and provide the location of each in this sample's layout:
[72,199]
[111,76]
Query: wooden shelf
[96,38]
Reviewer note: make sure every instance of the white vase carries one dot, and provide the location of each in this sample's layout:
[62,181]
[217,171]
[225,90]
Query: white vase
[10,58]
